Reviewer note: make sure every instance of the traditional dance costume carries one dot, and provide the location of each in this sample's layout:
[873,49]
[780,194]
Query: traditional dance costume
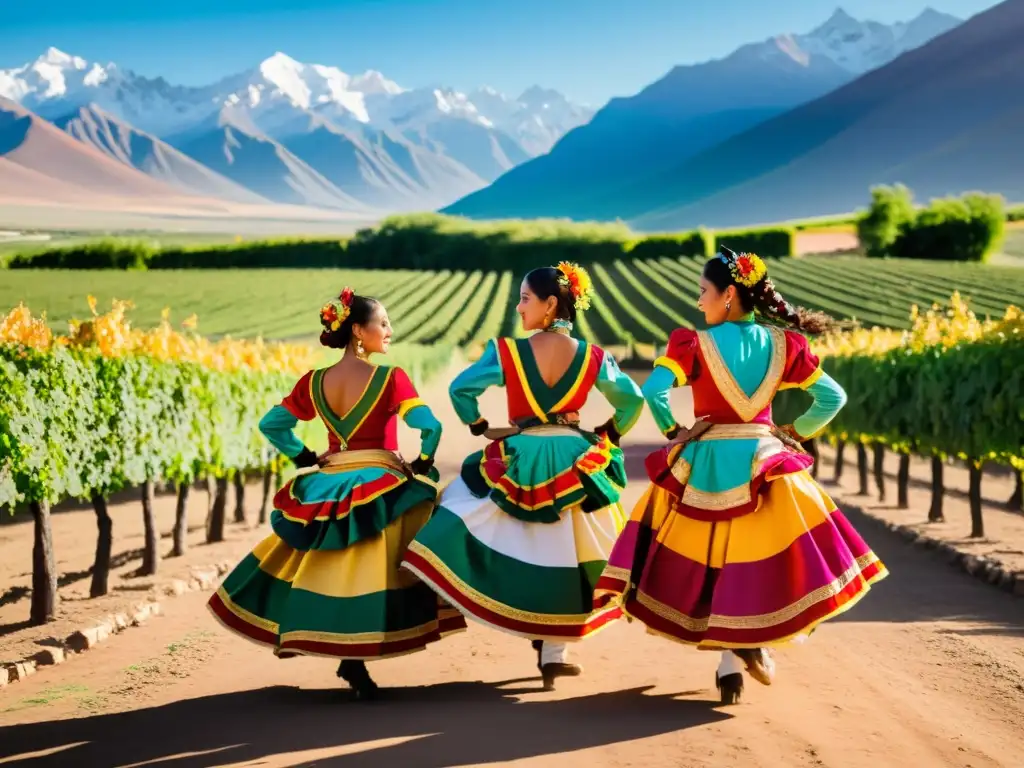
[521,537]
[327,582]
[734,546]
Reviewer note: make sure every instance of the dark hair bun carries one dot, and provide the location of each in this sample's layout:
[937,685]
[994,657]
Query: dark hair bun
[545,283]
[360,312]
[338,339]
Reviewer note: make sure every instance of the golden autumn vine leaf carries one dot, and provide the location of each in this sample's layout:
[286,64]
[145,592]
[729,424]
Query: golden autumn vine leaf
[112,334]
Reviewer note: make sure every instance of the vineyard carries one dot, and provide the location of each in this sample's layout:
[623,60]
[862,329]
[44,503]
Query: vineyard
[949,388]
[88,406]
[107,407]
[639,300]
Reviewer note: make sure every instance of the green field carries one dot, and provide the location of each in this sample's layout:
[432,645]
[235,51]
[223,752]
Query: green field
[642,299]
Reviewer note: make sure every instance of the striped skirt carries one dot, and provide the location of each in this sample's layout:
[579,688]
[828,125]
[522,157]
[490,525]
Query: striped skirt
[519,541]
[328,581]
[757,580]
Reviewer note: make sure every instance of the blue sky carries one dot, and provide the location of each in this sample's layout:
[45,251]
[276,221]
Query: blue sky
[589,49]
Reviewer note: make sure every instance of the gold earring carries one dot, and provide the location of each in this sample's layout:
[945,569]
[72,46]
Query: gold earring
[360,349]
[728,306]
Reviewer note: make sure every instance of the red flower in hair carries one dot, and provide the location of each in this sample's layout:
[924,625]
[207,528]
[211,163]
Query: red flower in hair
[748,269]
[329,314]
[346,297]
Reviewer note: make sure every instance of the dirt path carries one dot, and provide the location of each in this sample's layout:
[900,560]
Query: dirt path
[928,671]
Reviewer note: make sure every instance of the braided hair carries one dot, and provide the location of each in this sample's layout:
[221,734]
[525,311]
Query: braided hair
[764,298]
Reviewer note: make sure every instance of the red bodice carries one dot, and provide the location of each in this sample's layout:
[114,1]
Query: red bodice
[529,396]
[372,422]
[716,395]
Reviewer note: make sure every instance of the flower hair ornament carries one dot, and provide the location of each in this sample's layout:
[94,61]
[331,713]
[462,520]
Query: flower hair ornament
[748,269]
[336,311]
[577,280]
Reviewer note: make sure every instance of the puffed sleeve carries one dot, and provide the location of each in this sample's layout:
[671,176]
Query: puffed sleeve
[673,369]
[802,366]
[804,371]
[406,402]
[278,425]
[680,355]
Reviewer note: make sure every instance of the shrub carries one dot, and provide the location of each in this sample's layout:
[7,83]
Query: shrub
[267,254]
[891,210]
[432,241]
[767,241]
[102,254]
[969,228]
[677,246]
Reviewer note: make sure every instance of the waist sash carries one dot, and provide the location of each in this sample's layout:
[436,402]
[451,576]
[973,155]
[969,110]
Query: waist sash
[344,461]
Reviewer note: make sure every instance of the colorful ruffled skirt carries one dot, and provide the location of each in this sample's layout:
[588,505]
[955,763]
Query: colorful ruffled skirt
[520,539]
[327,581]
[758,567]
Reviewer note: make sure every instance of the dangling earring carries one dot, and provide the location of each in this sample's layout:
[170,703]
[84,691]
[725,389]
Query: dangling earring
[728,306]
[360,349]
[549,318]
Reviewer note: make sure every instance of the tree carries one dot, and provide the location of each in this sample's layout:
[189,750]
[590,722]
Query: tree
[890,211]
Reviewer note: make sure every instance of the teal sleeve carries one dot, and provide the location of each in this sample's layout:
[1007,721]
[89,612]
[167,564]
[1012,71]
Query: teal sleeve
[622,392]
[656,392]
[422,418]
[471,383]
[829,399]
[278,427]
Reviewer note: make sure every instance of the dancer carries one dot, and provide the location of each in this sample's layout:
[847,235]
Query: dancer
[521,536]
[327,581]
[734,546]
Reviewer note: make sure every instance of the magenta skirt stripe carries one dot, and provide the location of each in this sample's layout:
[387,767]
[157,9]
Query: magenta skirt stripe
[813,561]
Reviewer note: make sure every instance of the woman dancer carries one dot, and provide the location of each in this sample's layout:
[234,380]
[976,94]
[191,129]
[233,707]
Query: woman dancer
[734,546]
[520,538]
[327,581]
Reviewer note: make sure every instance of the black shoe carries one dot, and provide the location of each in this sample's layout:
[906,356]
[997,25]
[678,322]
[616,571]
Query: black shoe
[730,688]
[354,673]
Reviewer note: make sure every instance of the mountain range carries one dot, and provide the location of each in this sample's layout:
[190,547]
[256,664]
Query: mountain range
[691,109]
[793,126]
[289,132]
[943,119]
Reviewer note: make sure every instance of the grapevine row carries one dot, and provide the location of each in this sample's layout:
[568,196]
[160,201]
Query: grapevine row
[107,407]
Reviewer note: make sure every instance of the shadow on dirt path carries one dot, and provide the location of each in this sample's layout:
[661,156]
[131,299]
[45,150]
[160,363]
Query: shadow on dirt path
[449,724]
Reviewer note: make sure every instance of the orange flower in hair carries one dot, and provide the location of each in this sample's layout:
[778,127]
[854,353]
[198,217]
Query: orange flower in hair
[578,282]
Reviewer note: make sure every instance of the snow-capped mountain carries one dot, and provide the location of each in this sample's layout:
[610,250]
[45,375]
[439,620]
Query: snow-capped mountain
[691,109]
[313,134]
[56,84]
[274,92]
[446,143]
[280,84]
[537,119]
[860,46]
